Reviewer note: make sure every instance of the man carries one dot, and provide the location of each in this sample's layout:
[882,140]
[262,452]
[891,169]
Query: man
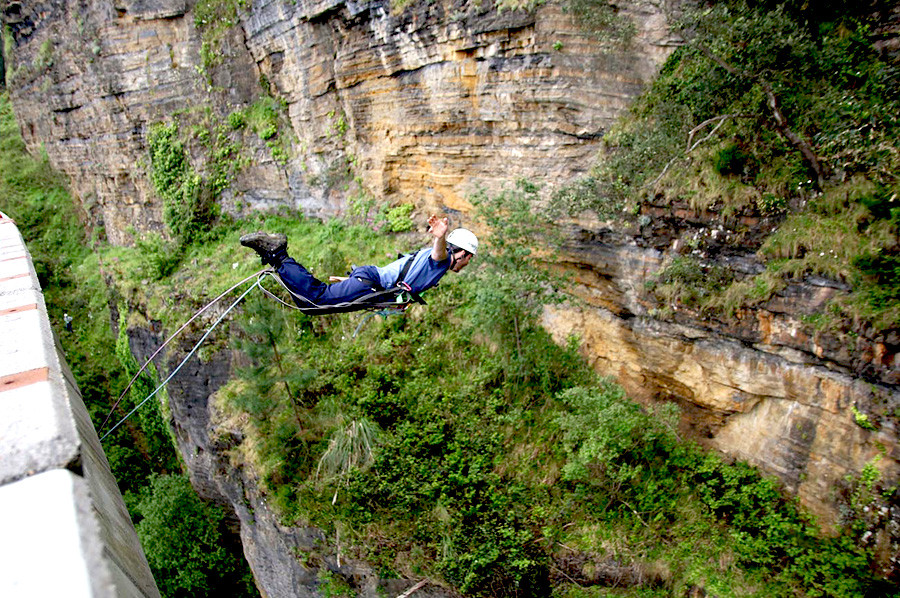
[421,271]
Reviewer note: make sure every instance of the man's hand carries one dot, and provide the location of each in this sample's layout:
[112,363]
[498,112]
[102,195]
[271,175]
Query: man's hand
[438,226]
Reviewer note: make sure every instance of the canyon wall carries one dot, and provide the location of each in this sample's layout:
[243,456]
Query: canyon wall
[422,105]
[809,406]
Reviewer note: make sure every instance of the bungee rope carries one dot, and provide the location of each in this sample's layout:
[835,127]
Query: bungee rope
[386,310]
[369,302]
[168,340]
[183,361]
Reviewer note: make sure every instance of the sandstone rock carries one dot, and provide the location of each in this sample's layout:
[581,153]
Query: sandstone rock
[767,388]
[430,103]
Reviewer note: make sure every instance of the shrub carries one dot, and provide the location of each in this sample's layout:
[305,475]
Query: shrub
[608,435]
[186,544]
[685,280]
[159,257]
[730,160]
[188,206]
[398,218]
[237,120]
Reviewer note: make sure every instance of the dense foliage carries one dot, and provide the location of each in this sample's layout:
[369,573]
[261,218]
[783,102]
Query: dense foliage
[186,544]
[458,442]
[187,200]
[472,449]
[783,110]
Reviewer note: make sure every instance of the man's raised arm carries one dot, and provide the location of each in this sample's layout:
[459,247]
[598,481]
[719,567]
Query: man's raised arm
[438,229]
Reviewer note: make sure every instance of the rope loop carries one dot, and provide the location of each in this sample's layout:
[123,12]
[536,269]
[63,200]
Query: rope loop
[381,309]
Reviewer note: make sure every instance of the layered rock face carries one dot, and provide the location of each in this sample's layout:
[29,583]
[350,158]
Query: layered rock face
[425,104]
[810,407]
[287,561]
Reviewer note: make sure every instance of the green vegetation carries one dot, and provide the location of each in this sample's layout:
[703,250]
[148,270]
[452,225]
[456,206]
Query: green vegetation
[600,19]
[189,554]
[458,442]
[685,280]
[781,110]
[398,218]
[187,203]
[190,197]
[265,118]
[213,19]
[151,420]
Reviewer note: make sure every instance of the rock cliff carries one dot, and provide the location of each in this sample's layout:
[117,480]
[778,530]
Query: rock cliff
[288,561]
[421,105]
[810,407]
[424,103]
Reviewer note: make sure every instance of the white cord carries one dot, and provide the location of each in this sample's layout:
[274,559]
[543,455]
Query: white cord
[183,361]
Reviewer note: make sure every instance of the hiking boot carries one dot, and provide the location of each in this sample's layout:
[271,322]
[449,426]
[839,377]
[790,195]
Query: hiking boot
[272,249]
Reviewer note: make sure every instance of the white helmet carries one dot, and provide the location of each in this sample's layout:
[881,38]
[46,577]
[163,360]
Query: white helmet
[464,239]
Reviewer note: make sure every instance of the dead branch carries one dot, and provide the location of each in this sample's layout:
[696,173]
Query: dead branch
[780,120]
[413,589]
[690,146]
[721,120]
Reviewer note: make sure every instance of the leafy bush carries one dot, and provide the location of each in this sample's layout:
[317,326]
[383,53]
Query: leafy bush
[160,258]
[685,280]
[398,218]
[185,545]
[237,120]
[586,194]
[601,429]
[730,160]
[512,286]
[188,205]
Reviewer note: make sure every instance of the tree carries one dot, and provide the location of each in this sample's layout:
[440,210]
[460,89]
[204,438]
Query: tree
[184,542]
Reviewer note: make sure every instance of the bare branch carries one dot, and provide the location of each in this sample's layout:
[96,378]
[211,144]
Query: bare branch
[413,589]
[780,120]
[720,120]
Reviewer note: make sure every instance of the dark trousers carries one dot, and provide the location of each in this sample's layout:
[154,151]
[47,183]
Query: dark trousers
[300,281]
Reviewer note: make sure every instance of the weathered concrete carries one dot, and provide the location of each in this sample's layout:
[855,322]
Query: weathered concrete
[66,531]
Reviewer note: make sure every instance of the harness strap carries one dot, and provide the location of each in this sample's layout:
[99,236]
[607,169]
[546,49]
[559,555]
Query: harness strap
[406,266]
[378,299]
[398,289]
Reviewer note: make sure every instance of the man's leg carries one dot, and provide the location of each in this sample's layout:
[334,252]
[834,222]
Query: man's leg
[272,250]
[301,282]
[361,282]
